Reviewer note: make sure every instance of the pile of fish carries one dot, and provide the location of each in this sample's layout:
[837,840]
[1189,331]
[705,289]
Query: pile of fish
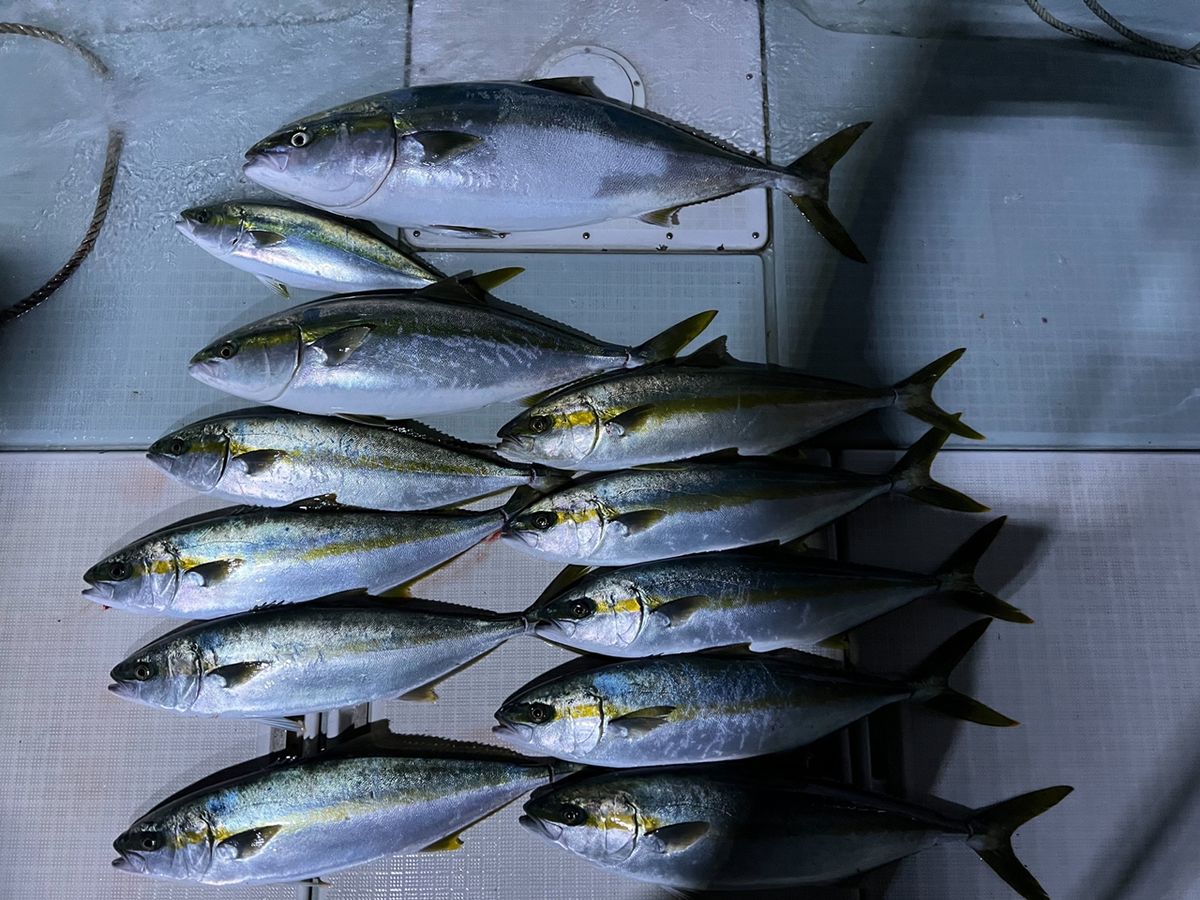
[655,476]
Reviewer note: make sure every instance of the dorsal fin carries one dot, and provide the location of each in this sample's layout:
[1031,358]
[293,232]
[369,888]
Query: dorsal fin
[414,429]
[713,354]
[579,85]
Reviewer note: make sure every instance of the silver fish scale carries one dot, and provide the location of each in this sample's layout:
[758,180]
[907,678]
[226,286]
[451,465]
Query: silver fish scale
[362,465]
[422,358]
[340,654]
[546,160]
[288,557]
[337,813]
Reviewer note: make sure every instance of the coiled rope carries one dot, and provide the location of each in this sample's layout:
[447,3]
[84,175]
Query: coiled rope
[112,156]
[1135,43]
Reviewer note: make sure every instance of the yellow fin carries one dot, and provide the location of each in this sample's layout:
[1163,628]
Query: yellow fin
[452,842]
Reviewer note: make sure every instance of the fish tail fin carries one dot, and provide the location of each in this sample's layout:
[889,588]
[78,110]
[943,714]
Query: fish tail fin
[915,395]
[665,345]
[957,577]
[931,678]
[991,836]
[544,479]
[810,192]
[911,476]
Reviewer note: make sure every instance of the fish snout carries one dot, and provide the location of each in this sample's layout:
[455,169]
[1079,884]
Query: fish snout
[270,159]
[514,731]
[99,593]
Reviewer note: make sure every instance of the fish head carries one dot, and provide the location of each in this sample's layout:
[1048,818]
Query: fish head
[165,674]
[596,615]
[562,718]
[195,455]
[256,362]
[172,842]
[590,818]
[335,160]
[218,228]
[559,432]
[567,524]
[142,577]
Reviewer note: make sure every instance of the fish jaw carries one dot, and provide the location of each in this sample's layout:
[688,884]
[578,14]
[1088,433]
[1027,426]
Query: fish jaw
[514,732]
[131,862]
[552,831]
[99,593]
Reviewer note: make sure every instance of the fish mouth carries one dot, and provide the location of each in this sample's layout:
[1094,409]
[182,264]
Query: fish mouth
[185,226]
[261,158]
[160,459]
[553,627]
[99,593]
[551,830]
[130,861]
[121,689]
[514,731]
[516,448]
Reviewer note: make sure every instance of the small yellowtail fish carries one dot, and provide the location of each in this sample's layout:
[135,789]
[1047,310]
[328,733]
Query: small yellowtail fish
[495,157]
[282,246]
[280,820]
[766,600]
[707,707]
[657,512]
[307,657]
[702,828]
[704,403]
[444,348]
[238,559]
[269,457]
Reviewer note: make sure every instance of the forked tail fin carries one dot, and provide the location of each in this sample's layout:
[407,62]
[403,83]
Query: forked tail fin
[911,476]
[991,836]
[931,679]
[915,395]
[814,168]
[957,577]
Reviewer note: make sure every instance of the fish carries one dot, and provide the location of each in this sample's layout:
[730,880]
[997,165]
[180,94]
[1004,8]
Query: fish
[439,349]
[709,707]
[487,158]
[240,558]
[701,828]
[764,600]
[283,820]
[270,457]
[701,404]
[306,657]
[676,509]
[286,247]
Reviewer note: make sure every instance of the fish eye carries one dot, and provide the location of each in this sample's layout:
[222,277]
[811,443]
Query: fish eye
[118,571]
[540,713]
[540,424]
[200,215]
[151,841]
[143,671]
[543,521]
[581,608]
[228,350]
[299,139]
[573,815]
[177,447]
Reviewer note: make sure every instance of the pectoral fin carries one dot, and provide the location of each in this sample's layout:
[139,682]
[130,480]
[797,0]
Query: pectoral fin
[341,344]
[208,574]
[641,519]
[641,722]
[255,462]
[662,217]
[676,838]
[440,146]
[679,611]
[238,673]
[275,285]
[630,420]
[423,694]
[266,238]
[448,843]
[246,844]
